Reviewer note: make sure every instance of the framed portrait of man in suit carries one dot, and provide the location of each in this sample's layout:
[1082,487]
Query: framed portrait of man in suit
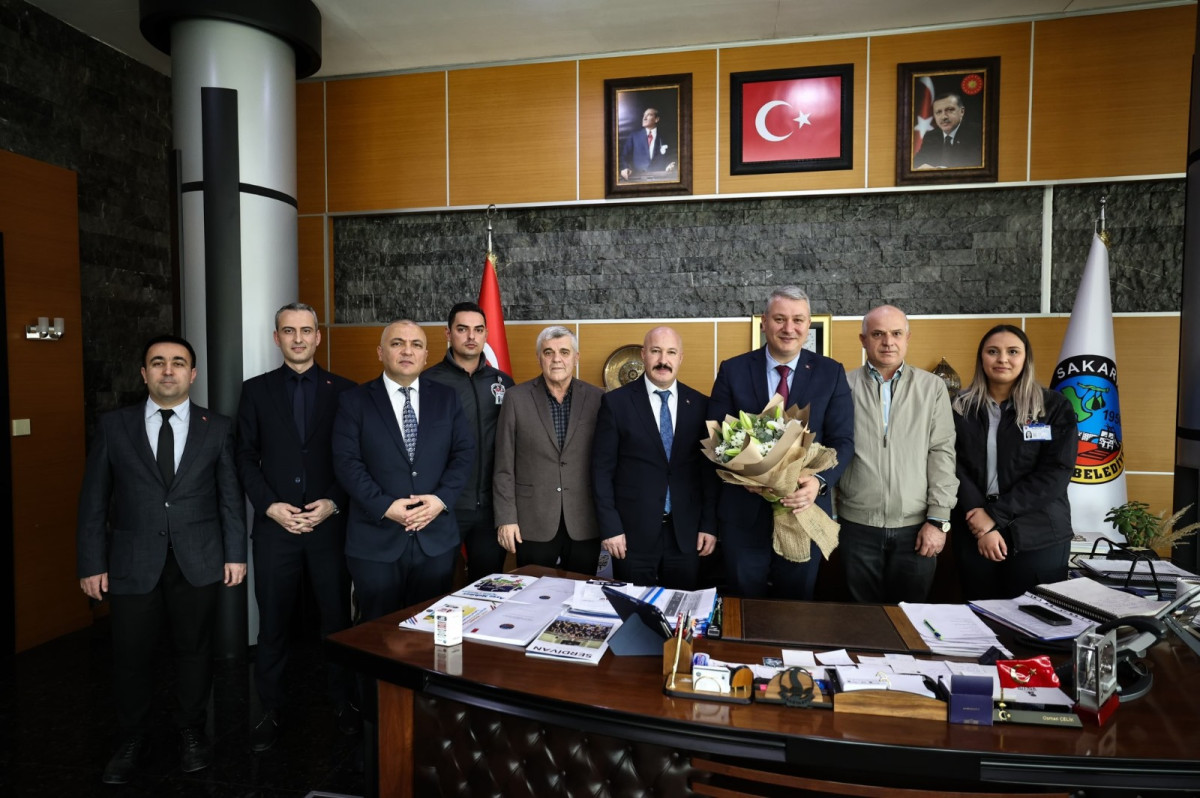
[947,121]
[648,136]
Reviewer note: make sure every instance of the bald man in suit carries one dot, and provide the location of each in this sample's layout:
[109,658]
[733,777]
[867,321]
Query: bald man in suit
[655,491]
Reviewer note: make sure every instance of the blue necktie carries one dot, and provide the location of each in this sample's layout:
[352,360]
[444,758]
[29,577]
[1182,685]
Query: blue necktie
[667,434]
[410,425]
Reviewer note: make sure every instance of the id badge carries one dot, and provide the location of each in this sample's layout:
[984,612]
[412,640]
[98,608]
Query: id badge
[1037,432]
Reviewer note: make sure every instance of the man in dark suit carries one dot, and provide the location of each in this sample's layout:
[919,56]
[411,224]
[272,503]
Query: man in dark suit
[285,461]
[747,382]
[655,492]
[646,150]
[160,530]
[542,484]
[955,142]
[403,450]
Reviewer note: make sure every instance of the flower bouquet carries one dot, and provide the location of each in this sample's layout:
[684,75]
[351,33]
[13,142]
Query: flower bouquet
[774,450]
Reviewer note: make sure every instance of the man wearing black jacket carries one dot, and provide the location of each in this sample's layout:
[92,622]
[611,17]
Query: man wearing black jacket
[285,461]
[481,388]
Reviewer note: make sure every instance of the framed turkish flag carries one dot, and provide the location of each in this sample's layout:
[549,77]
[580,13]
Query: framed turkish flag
[791,120]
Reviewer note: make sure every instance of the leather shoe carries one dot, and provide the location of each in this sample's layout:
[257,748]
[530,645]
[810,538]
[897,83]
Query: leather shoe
[125,761]
[349,719]
[266,732]
[194,750]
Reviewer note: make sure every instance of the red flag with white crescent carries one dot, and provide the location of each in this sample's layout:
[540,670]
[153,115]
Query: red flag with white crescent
[785,120]
[496,349]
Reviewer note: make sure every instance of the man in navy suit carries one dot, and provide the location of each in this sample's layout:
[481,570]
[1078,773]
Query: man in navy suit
[285,461]
[747,382]
[647,150]
[655,491]
[403,450]
[161,528]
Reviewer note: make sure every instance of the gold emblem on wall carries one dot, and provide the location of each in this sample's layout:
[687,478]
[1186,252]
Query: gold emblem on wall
[623,366]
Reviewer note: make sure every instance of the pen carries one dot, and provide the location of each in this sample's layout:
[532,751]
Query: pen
[936,633]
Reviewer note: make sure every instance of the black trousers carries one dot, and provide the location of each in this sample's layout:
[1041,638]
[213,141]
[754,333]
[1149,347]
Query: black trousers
[658,561]
[415,577]
[485,555]
[281,561]
[754,570]
[187,612]
[1020,571]
[580,556]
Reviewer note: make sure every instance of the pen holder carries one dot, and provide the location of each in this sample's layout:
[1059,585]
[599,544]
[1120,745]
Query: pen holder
[684,660]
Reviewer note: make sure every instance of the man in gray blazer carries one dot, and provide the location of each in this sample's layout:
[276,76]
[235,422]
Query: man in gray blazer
[161,528]
[542,483]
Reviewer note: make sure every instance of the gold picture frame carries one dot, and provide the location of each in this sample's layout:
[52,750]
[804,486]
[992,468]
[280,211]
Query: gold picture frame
[819,333]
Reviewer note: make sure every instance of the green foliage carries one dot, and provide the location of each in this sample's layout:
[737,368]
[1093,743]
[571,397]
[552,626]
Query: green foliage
[1144,530]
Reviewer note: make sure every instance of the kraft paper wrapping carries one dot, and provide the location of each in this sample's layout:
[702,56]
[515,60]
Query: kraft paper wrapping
[795,456]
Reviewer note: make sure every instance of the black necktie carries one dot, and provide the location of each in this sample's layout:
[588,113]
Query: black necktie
[299,413]
[166,448]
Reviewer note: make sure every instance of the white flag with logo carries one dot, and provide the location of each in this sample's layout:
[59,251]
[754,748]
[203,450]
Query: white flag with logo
[1086,375]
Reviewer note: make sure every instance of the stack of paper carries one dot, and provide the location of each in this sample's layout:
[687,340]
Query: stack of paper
[951,630]
[1009,613]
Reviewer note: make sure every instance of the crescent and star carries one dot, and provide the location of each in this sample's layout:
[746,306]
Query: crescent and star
[760,121]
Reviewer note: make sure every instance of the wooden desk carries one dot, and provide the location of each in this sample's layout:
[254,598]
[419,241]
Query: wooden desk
[1152,743]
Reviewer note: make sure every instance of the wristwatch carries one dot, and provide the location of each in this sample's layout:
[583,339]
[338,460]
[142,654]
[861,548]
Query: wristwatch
[824,488]
[942,525]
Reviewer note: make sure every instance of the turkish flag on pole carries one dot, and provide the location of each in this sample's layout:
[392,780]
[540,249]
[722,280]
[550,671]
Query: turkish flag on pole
[496,350]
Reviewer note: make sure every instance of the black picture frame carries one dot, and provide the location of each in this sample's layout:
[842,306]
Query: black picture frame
[973,156]
[626,171]
[745,156]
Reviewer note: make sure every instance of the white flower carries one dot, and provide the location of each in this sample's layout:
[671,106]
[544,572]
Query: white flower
[662,150]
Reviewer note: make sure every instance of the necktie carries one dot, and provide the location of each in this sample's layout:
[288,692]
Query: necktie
[667,433]
[409,417]
[299,413]
[650,142]
[166,448]
[948,141]
[782,390]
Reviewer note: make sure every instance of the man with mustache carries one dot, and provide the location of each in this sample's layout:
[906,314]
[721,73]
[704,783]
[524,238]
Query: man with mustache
[655,492]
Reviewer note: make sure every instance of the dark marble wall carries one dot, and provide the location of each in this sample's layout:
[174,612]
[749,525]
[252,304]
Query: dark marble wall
[952,252]
[68,100]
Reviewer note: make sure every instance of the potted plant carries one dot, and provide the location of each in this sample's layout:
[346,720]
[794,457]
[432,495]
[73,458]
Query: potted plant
[1145,531]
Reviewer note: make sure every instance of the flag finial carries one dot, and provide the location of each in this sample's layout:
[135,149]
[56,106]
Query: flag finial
[1103,230]
[491,211]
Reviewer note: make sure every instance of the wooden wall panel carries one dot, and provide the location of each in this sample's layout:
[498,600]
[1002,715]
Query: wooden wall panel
[745,59]
[513,134]
[702,65]
[1153,489]
[845,347]
[733,338]
[311,265]
[1148,381]
[522,345]
[1110,94]
[1010,42]
[386,142]
[310,147]
[40,222]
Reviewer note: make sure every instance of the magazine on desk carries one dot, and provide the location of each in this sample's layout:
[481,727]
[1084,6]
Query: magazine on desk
[496,587]
[472,610]
[574,638]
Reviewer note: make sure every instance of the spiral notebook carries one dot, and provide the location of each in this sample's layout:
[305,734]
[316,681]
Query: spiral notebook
[1097,601]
